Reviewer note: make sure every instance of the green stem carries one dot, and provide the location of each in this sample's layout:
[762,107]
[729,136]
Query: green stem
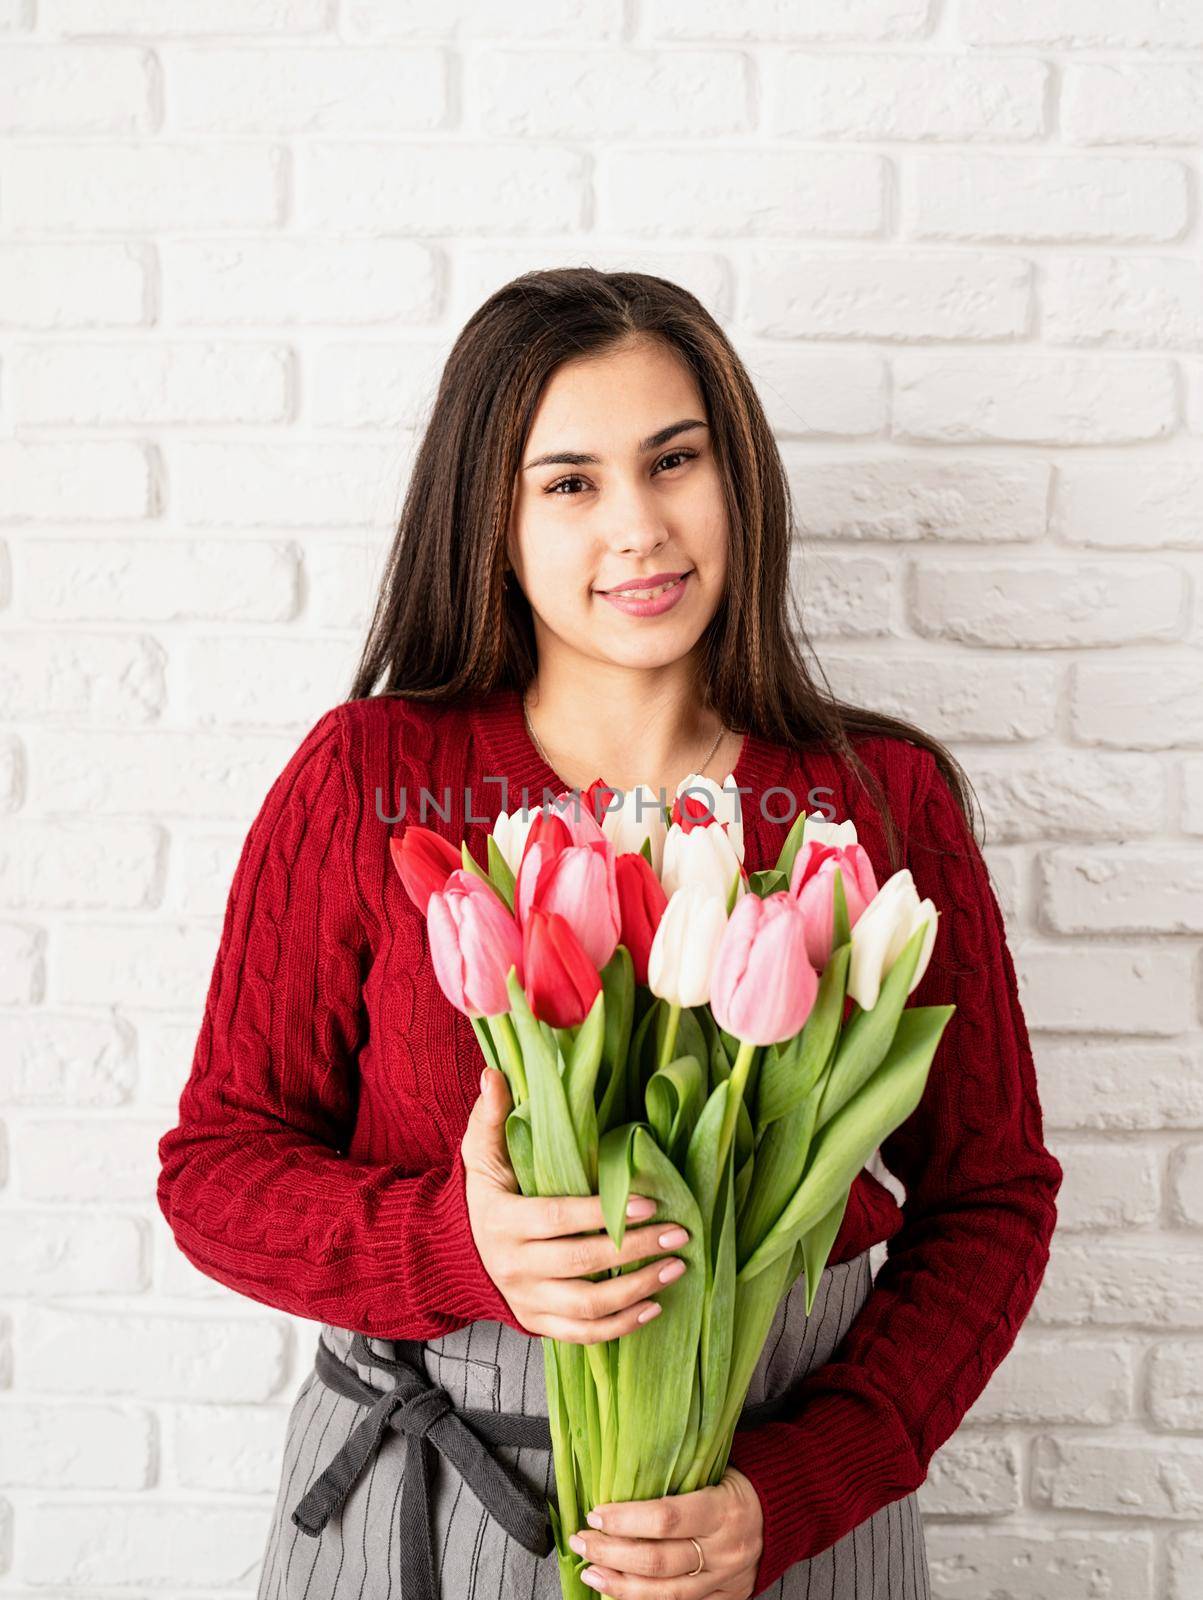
[735,1094]
[503,1031]
[670,1036]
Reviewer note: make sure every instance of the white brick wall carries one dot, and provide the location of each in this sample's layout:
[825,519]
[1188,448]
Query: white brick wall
[957,242]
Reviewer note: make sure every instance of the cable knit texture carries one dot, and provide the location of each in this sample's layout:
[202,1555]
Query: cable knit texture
[316,1164]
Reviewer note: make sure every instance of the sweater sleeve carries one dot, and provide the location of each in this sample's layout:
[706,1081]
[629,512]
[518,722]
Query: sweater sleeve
[254,1182]
[962,1272]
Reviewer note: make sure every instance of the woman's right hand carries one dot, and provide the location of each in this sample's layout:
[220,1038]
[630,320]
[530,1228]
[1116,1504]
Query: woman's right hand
[541,1251]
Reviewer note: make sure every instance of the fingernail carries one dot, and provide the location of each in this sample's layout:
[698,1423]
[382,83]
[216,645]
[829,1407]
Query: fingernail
[673,1238]
[591,1578]
[671,1270]
[649,1312]
[594,1519]
[577,1543]
[640,1206]
[483,1076]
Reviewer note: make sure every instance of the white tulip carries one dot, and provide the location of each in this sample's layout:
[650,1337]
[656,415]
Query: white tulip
[639,817]
[510,831]
[685,946]
[881,934]
[817,827]
[701,857]
[721,802]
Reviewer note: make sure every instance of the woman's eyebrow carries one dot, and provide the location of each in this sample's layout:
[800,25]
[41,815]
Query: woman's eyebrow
[574,458]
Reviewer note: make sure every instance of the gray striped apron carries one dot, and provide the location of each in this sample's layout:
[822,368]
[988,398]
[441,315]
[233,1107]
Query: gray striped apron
[373,1543]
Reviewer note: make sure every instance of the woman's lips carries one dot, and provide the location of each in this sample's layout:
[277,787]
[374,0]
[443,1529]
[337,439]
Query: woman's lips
[636,604]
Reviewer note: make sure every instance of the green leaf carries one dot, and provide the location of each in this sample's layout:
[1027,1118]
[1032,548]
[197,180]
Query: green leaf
[500,875]
[689,1439]
[559,1169]
[701,1162]
[790,847]
[691,1037]
[780,1162]
[618,987]
[656,1361]
[841,924]
[471,864]
[756,1302]
[716,1055]
[730,1045]
[580,1076]
[816,1247]
[520,1144]
[869,1033]
[675,1096]
[767,882]
[842,1147]
[615,1158]
[733,892]
[717,1333]
[745,1157]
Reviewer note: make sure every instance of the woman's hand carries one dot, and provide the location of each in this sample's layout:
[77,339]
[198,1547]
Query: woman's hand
[643,1548]
[542,1252]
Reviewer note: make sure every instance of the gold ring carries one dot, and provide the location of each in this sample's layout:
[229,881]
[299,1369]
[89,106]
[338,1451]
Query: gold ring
[701,1558]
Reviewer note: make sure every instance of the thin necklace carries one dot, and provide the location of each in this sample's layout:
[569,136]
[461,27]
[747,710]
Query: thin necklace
[547,759]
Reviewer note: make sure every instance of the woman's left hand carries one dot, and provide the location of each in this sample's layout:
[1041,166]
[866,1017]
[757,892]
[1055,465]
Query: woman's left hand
[643,1550]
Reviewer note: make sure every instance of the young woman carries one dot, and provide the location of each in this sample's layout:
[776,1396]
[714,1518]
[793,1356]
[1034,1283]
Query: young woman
[590,579]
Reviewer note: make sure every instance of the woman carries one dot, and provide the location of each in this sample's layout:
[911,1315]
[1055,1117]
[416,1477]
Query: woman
[594,436]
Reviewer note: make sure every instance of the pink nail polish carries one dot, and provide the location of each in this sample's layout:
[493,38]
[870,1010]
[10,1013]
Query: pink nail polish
[594,1520]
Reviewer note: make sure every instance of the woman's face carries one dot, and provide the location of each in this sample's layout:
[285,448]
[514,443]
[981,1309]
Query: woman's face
[640,507]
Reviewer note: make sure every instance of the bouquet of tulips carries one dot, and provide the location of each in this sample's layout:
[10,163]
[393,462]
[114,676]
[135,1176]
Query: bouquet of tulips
[735,1046]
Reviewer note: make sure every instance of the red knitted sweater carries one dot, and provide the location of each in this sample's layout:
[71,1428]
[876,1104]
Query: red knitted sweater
[316,1163]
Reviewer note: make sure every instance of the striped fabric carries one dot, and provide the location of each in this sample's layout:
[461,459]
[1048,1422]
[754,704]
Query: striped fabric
[494,1367]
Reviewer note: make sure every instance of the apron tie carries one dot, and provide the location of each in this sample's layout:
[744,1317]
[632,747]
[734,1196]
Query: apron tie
[426,1415]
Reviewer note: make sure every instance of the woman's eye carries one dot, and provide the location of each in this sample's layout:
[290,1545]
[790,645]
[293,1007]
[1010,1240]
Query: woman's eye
[556,487]
[683,455]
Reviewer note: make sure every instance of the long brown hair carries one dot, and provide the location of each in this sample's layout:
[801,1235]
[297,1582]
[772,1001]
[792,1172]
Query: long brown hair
[446,624]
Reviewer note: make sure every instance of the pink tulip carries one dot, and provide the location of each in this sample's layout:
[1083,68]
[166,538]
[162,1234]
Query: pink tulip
[641,903]
[423,860]
[474,941]
[763,987]
[575,880]
[561,982]
[581,812]
[812,884]
[579,884]
[548,835]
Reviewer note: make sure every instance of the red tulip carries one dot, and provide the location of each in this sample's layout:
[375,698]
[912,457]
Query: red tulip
[561,982]
[424,860]
[474,941]
[596,801]
[641,903]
